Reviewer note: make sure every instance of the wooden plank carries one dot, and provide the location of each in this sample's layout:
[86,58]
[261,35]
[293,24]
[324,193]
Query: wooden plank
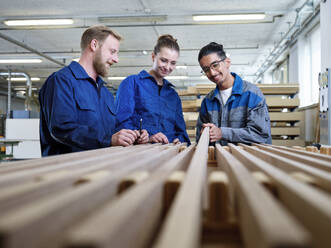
[267,89]
[325,150]
[132,179]
[191,133]
[278,102]
[260,215]
[52,160]
[285,131]
[311,206]
[322,179]
[313,159]
[286,116]
[288,142]
[73,163]
[22,193]
[279,89]
[219,206]
[171,187]
[306,153]
[311,149]
[22,226]
[191,103]
[182,225]
[263,179]
[141,205]
[190,91]
[190,123]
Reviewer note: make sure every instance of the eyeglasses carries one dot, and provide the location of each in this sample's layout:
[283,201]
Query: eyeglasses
[215,65]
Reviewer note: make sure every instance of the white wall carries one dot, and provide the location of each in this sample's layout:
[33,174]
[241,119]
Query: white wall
[325,34]
[293,73]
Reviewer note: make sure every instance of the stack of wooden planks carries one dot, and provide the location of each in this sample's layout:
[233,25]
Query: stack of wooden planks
[281,99]
[169,196]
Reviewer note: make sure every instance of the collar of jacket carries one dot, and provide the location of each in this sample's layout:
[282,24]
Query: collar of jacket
[237,88]
[144,74]
[79,72]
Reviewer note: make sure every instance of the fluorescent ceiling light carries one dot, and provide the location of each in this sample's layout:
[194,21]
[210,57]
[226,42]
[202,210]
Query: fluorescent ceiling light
[176,77]
[229,17]
[20,61]
[76,59]
[116,78]
[22,79]
[144,18]
[203,77]
[181,67]
[39,22]
[23,89]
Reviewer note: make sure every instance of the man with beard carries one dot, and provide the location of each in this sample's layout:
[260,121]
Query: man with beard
[236,110]
[77,111]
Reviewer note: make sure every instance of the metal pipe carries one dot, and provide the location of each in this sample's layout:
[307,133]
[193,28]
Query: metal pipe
[290,35]
[28,95]
[21,44]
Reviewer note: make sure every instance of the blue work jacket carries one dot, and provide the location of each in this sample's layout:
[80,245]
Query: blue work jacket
[76,113]
[244,118]
[139,97]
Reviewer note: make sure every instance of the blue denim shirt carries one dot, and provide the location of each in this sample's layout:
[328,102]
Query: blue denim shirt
[138,97]
[244,118]
[76,113]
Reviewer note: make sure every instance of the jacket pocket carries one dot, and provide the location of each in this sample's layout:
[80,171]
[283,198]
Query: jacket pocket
[83,103]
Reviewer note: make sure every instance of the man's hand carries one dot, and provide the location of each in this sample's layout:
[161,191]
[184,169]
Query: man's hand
[159,138]
[215,133]
[143,137]
[176,141]
[124,137]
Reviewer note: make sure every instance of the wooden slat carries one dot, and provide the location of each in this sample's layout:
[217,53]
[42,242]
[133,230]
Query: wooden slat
[142,202]
[311,206]
[59,180]
[182,225]
[285,130]
[132,179]
[218,197]
[279,89]
[285,116]
[323,179]
[170,189]
[267,89]
[288,142]
[309,158]
[68,164]
[22,226]
[325,150]
[310,154]
[52,160]
[278,102]
[260,215]
[191,133]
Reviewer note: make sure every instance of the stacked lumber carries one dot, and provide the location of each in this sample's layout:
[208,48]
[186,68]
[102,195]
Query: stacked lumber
[169,196]
[281,99]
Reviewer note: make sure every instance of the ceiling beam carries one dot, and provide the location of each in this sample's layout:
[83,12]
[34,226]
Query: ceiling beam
[21,44]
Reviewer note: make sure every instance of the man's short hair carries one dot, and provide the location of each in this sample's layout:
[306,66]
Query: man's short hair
[212,47]
[100,33]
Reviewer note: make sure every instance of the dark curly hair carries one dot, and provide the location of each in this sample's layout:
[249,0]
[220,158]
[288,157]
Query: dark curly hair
[212,47]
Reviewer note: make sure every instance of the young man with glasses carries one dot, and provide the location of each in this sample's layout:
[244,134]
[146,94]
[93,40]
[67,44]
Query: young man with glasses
[236,110]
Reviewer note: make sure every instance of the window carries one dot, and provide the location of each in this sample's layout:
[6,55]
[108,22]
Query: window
[310,56]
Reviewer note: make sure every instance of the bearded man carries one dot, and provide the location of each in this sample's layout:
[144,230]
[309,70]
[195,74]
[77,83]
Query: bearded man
[77,111]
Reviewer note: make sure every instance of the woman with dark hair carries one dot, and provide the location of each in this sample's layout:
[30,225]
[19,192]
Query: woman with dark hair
[147,100]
